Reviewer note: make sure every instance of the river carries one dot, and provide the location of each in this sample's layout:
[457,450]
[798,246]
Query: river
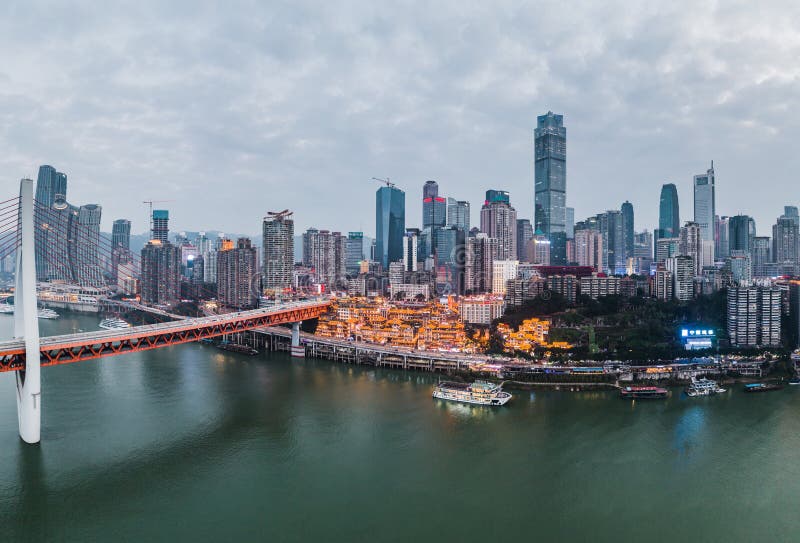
[193,443]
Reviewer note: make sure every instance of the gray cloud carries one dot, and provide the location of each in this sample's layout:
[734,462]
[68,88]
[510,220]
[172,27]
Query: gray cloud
[237,108]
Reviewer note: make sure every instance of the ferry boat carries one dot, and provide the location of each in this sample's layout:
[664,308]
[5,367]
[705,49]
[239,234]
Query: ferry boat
[643,393]
[6,308]
[703,387]
[762,387]
[113,323]
[478,393]
[45,313]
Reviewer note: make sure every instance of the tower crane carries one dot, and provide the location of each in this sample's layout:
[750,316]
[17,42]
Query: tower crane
[150,212]
[388,183]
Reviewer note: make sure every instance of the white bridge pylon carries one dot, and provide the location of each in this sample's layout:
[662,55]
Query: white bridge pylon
[26,322]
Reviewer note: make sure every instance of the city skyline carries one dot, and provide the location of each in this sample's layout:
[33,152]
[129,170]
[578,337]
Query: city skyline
[330,106]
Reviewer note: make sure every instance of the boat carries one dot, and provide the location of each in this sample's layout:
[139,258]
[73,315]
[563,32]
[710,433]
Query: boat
[762,387]
[477,393]
[237,348]
[643,393]
[113,323]
[703,387]
[6,308]
[794,381]
[45,313]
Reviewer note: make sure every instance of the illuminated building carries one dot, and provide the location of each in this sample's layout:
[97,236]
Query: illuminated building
[499,221]
[434,207]
[481,309]
[161,268]
[596,286]
[502,271]
[754,316]
[278,251]
[237,278]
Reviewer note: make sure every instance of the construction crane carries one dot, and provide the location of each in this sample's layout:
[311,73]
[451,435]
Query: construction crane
[279,215]
[150,205]
[388,183]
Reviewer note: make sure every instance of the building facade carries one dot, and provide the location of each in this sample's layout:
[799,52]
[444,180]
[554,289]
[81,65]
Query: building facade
[237,276]
[390,224]
[550,186]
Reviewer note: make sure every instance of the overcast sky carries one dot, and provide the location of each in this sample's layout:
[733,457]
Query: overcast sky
[242,108]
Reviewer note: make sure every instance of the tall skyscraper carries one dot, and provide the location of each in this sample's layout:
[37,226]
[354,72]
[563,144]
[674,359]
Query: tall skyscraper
[690,244]
[411,250]
[66,237]
[236,276]
[278,251]
[390,224]
[762,255]
[434,207]
[324,252]
[499,221]
[570,222]
[704,204]
[627,229]
[741,231]
[161,271]
[160,225]
[524,235]
[550,187]
[786,240]
[722,248]
[458,213]
[449,254]
[480,251]
[669,220]
[121,234]
[354,252]
[589,248]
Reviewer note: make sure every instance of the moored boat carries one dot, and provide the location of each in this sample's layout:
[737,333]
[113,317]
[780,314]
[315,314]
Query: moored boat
[762,387]
[703,387]
[237,348]
[113,323]
[477,393]
[45,313]
[794,381]
[643,393]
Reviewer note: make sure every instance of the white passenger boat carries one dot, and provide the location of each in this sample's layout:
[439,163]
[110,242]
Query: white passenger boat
[113,323]
[45,313]
[703,387]
[477,393]
[6,308]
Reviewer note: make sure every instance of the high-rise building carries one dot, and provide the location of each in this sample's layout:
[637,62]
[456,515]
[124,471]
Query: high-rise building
[570,222]
[754,316]
[669,220]
[792,213]
[237,278]
[722,248]
[524,235]
[434,207]
[458,213]
[761,256]
[161,271]
[411,250]
[323,251]
[160,225]
[786,240]
[550,187]
[589,248]
[480,251]
[499,221]
[667,248]
[642,253]
[390,224]
[121,234]
[704,204]
[741,231]
[503,271]
[627,230]
[741,267]
[662,284]
[354,252]
[689,244]
[538,250]
[66,237]
[449,259]
[610,227]
[277,256]
[682,269]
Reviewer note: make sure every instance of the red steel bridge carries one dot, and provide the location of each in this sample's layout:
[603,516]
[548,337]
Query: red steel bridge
[22,219]
[70,348]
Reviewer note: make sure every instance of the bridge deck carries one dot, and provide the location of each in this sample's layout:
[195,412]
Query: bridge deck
[87,345]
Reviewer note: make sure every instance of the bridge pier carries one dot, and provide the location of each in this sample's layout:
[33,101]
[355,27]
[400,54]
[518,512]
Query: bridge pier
[298,350]
[26,322]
